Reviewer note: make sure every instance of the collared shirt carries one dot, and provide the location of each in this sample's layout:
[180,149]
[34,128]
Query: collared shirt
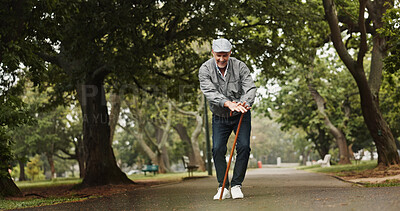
[237,85]
[219,71]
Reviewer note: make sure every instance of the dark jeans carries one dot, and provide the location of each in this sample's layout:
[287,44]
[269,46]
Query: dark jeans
[222,128]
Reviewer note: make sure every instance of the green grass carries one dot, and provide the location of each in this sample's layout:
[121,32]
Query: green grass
[387,183]
[365,165]
[11,204]
[47,183]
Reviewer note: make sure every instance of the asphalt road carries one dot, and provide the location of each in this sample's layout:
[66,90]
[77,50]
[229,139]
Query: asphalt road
[264,189]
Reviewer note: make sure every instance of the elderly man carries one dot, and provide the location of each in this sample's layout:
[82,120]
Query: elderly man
[227,84]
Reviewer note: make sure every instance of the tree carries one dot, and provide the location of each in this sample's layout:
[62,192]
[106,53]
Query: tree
[34,167]
[73,134]
[336,132]
[13,113]
[368,88]
[92,43]
[151,118]
[274,35]
[193,142]
[389,94]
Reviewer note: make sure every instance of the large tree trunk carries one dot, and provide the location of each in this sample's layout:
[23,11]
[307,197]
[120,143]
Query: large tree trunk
[21,163]
[50,159]
[344,157]
[380,132]
[7,185]
[101,167]
[162,153]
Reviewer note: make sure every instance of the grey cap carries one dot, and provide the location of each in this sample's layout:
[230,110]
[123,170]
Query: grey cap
[221,45]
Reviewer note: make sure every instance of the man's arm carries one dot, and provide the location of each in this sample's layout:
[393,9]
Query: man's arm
[209,89]
[248,85]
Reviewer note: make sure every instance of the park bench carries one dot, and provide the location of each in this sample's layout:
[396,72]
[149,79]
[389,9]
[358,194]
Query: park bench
[150,168]
[190,168]
[358,156]
[326,162]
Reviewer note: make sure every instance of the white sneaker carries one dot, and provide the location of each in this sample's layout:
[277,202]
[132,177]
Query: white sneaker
[226,194]
[236,192]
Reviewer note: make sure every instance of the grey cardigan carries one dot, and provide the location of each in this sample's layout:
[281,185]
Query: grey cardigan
[239,86]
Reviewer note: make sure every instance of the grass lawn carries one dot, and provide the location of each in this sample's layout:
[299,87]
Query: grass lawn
[365,169]
[15,204]
[340,169]
[37,186]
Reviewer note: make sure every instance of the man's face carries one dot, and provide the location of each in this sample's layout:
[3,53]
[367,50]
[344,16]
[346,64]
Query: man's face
[221,58]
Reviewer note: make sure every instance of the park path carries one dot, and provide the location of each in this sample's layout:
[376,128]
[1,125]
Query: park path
[264,189]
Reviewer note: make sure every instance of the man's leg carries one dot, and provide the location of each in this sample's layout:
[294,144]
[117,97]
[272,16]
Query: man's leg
[242,150]
[220,134]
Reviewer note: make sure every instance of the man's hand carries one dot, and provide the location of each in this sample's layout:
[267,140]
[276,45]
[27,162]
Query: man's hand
[238,107]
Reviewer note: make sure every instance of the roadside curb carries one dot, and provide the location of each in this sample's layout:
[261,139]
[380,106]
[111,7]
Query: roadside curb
[359,184]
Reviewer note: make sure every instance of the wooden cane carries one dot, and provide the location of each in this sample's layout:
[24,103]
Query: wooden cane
[230,157]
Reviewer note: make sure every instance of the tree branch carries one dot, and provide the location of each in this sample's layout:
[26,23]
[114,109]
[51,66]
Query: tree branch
[52,59]
[363,31]
[147,134]
[332,18]
[191,113]
[100,72]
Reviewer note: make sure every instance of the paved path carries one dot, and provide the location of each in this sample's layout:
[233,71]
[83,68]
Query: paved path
[264,189]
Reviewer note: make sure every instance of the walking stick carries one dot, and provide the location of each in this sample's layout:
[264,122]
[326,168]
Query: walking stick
[230,157]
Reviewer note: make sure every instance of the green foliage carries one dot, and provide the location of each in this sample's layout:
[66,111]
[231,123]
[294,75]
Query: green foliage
[386,183]
[390,91]
[296,107]
[270,35]
[391,29]
[13,113]
[14,204]
[34,168]
[128,150]
[51,132]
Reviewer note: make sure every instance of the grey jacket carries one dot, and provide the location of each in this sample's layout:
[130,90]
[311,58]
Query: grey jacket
[239,86]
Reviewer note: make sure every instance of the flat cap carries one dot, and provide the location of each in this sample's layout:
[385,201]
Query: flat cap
[221,45]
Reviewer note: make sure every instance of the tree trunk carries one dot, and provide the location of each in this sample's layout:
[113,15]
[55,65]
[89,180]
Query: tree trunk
[165,157]
[322,143]
[380,132]
[161,136]
[51,163]
[195,143]
[21,170]
[183,134]
[196,157]
[344,157]
[7,185]
[152,155]
[101,167]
